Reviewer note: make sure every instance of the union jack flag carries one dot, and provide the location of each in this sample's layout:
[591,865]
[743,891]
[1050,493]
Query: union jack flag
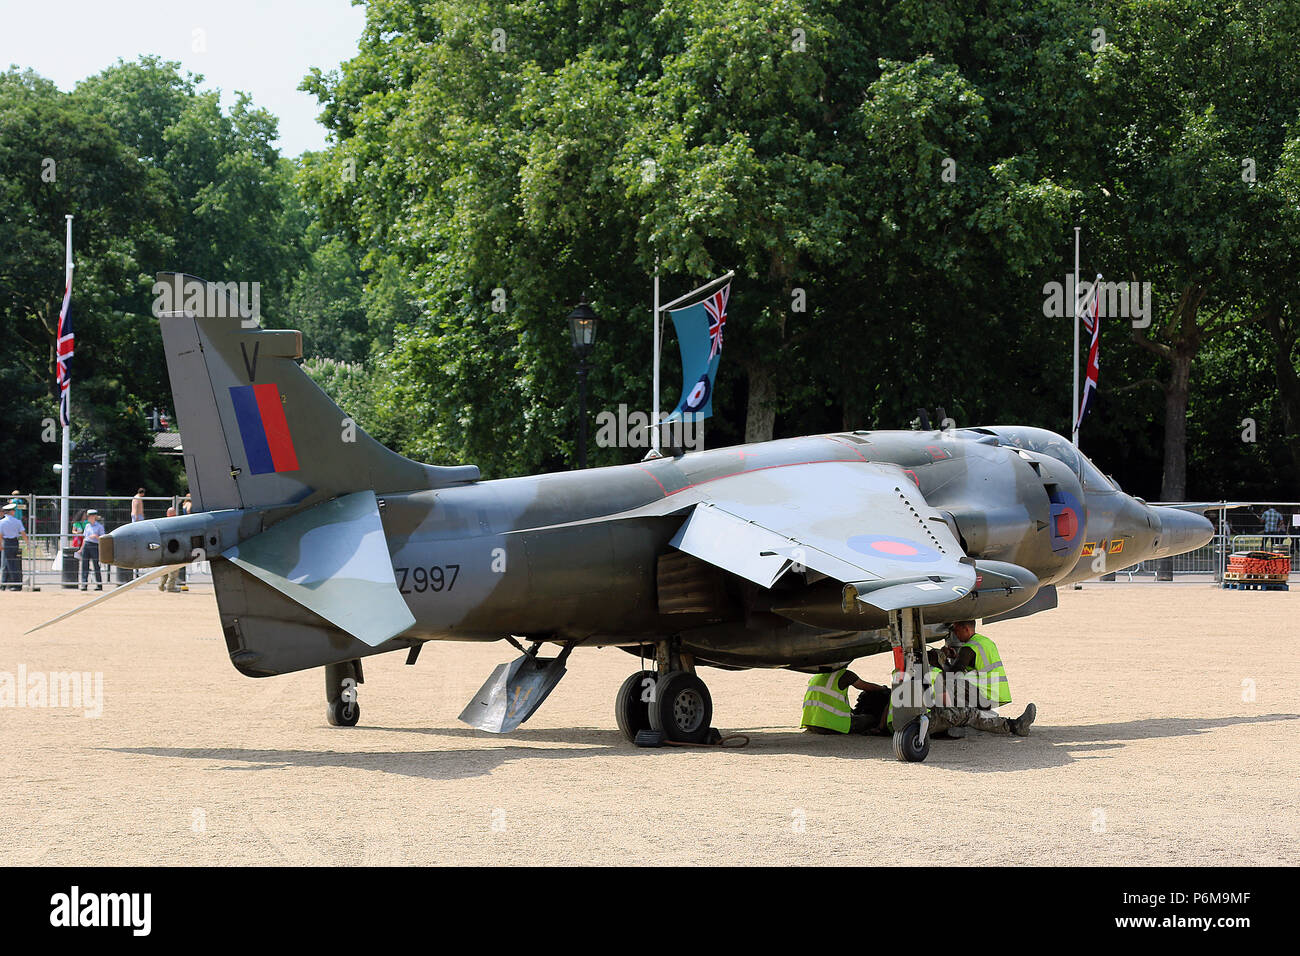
[64,351]
[716,306]
[1091,325]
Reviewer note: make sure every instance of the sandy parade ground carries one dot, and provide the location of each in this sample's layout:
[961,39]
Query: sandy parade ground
[1167,734]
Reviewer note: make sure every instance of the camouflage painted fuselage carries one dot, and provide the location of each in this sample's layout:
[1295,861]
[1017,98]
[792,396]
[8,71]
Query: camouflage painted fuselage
[597,556]
[531,556]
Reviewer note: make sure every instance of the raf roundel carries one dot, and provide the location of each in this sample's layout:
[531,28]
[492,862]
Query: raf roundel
[699,396]
[893,548]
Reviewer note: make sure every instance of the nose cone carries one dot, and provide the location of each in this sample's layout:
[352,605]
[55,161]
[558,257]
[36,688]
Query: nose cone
[1182,531]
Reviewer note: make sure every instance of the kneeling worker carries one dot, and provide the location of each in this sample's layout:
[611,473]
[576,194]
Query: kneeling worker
[945,715]
[826,707]
[975,661]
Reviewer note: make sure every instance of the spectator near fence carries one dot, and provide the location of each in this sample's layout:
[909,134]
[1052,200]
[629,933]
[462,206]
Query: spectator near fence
[11,529]
[137,506]
[90,549]
[1272,527]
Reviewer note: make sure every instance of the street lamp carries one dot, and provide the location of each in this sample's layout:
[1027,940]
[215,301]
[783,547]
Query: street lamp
[582,328]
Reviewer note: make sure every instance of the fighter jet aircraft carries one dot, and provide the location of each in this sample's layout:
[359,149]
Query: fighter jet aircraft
[802,553]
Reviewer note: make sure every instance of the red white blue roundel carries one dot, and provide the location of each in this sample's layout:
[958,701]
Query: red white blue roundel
[893,548]
[699,395]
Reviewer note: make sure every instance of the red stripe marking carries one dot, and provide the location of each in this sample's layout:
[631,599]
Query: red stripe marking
[652,476]
[747,471]
[851,447]
[277,427]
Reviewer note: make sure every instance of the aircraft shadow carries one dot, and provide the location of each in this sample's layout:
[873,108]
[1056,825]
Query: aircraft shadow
[1050,746]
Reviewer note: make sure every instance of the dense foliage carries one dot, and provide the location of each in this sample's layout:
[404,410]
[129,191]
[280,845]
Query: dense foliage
[894,183]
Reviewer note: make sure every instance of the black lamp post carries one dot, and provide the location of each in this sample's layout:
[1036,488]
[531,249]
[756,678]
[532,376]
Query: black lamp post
[582,327]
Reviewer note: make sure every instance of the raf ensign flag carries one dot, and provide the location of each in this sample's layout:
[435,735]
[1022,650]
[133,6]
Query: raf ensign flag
[699,333]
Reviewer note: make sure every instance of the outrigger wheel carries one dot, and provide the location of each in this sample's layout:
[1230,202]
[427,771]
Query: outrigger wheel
[341,680]
[632,704]
[682,709]
[908,745]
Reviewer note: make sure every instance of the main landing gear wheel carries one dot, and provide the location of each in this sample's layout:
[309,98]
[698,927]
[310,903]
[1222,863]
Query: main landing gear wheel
[632,705]
[341,680]
[908,745]
[682,709]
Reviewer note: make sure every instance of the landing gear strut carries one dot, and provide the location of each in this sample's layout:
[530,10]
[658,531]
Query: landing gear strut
[341,680]
[671,699]
[907,635]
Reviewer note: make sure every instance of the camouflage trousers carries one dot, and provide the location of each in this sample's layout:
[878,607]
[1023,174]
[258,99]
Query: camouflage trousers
[941,718]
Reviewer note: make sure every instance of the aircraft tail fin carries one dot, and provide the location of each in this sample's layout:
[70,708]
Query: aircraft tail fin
[255,430]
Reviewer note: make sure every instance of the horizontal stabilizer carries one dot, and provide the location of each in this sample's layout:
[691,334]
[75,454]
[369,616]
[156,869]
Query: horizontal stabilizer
[333,560]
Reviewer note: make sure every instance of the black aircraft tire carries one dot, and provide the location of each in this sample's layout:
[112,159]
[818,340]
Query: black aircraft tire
[906,745]
[631,712]
[340,714]
[682,708]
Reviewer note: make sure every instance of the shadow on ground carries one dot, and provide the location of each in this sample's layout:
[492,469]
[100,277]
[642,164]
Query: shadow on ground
[1050,746]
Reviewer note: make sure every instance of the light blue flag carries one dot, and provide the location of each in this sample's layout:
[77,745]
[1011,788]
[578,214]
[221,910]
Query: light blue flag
[699,334]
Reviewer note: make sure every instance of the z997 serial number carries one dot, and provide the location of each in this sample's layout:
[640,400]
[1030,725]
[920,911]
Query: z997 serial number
[440,577]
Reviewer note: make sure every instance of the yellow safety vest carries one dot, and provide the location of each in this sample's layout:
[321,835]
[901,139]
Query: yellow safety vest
[935,681]
[988,672]
[825,705]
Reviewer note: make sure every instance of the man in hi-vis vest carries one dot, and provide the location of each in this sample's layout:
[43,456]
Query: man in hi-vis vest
[826,707]
[982,683]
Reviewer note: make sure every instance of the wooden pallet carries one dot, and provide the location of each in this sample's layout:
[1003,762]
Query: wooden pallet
[1256,586]
[1255,577]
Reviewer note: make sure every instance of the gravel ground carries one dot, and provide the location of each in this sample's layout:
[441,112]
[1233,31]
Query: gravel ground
[1166,735]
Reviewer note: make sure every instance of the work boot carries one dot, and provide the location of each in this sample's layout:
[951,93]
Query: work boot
[1020,726]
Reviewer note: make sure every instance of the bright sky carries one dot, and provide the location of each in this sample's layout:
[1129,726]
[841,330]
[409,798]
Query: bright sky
[262,47]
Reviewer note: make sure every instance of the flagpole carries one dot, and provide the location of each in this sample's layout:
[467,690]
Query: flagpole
[654,419]
[1074,306]
[67,441]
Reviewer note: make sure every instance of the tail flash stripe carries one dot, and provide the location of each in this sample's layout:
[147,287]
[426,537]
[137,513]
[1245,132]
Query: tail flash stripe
[263,428]
[277,427]
[251,430]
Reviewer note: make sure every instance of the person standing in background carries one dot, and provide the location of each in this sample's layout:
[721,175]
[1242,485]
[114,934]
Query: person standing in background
[11,561]
[137,506]
[187,505]
[90,549]
[170,580]
[1272,528]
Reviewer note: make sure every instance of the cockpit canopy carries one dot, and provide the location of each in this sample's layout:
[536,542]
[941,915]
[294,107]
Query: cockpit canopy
[1044,442]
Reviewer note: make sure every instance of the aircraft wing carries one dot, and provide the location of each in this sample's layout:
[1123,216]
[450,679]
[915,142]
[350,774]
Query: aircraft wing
[861,523]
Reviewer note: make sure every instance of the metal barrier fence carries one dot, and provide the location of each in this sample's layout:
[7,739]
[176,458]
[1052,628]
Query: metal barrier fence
[42,565]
